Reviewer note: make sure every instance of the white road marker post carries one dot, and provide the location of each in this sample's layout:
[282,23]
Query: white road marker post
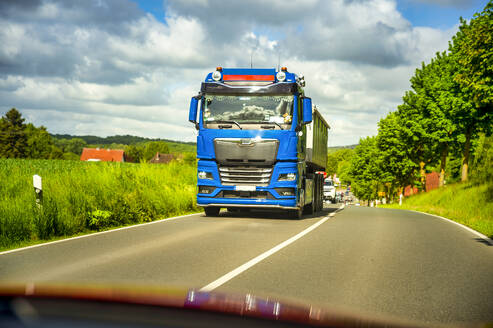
[38,190]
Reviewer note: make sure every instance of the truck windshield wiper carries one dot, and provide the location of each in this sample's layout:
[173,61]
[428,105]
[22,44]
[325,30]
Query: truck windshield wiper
[234,122]
[262,122]
[279,125]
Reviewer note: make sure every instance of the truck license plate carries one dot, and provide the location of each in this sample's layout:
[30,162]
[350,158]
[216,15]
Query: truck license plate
[245,188]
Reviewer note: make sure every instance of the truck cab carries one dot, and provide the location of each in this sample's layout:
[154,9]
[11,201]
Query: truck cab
[251,143]
[329,190]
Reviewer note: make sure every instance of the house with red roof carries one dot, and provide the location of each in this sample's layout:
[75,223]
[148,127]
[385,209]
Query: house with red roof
[103,155]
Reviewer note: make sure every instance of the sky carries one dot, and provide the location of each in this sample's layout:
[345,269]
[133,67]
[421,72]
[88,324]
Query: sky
[107,67]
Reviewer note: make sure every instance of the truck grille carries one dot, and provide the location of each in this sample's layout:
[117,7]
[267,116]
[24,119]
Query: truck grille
[237,175]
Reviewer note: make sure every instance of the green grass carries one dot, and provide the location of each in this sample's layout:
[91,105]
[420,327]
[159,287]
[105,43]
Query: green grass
[471,205]
[80,197]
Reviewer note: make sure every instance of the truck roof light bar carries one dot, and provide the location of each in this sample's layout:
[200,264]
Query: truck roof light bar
[248,77]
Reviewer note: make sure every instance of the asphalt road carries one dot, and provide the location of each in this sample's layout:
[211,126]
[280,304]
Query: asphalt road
[379,261]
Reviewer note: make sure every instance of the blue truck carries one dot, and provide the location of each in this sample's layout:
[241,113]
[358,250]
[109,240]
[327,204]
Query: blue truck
[260,142]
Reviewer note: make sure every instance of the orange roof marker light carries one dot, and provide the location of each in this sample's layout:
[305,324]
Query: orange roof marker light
[219,68]
[284,69]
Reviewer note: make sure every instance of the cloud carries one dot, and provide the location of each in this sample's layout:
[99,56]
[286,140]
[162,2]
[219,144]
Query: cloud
[105,67]
[449,3]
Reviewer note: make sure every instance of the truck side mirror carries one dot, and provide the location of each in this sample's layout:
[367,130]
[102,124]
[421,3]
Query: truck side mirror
[192,114]
[307,110]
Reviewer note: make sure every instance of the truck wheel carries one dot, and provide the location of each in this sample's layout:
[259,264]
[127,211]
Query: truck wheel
[296,214]
[309,209]
[211,211]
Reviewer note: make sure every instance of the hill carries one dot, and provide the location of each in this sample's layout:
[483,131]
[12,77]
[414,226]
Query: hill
[174,146]
[336,148]
[118,139]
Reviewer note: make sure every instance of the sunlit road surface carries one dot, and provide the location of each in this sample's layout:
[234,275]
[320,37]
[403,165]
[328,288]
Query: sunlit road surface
[390,262]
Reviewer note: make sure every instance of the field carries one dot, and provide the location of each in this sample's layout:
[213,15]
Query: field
[469,204]
[80,197]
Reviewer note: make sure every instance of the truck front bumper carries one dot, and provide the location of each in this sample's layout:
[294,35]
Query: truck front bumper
[264,203]
[212,192]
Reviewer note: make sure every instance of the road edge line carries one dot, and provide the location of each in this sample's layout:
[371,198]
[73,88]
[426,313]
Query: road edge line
[245,266]
[477,233]
[95,233]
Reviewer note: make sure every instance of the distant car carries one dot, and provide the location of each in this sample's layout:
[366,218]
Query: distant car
[329,190]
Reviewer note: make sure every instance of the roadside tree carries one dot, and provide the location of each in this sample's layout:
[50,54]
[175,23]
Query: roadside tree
[472,51]
[13,139]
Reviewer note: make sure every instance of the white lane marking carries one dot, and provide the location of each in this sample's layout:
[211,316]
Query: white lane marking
[95,234]
[479,234]
[230,275]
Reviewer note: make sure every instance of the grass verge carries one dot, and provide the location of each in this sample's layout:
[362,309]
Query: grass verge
[468,204]
[82,197]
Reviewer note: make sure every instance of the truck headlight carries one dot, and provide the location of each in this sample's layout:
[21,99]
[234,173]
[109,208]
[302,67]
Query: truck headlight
[204,175]
[287,177]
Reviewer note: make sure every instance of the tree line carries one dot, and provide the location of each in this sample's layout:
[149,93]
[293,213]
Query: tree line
[446,118]
[118,139]
[21,140]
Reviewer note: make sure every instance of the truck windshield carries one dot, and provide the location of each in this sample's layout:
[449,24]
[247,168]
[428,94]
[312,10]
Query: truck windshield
[248,109]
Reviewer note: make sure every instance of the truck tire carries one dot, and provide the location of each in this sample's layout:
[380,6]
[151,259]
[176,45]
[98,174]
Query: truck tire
[296,214]
[309,208]
[212,211]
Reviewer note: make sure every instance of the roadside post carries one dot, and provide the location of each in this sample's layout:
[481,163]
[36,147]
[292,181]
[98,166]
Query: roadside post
[38,189]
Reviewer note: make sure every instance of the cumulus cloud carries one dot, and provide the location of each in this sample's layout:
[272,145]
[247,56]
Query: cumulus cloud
[106,67]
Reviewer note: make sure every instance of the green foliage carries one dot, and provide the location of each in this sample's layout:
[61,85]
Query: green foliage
[143,152]
[19,140]
[444,118]
[482,165]
[83,196]
[40,144]
[99,219]
[13,139]
[397,167]
[472,48]
[472,51]
[365,172]
[190,158]
[70,156]
[153,147]
[338,162]
[134,153]
[120,141]
[74,145]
